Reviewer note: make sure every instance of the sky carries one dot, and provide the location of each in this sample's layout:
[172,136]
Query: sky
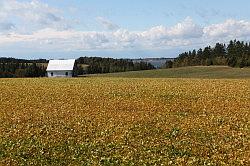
[54,29]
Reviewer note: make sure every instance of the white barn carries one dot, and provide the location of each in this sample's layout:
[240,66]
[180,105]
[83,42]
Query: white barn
[61,68]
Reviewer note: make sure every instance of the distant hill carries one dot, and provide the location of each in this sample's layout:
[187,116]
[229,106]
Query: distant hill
[156,62]
[206,72]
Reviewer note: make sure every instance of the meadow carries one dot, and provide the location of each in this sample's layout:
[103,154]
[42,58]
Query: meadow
[124,121]
[204,72]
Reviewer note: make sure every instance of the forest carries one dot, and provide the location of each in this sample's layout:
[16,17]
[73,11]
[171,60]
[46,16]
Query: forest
[110,65]
[234,54]
[11,67]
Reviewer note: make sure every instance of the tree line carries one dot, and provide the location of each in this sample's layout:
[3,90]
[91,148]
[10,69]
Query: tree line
[16,68]
[11,67]
[110,65]
[234,54]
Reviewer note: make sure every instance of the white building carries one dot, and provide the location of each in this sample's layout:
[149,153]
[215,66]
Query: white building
[61,68]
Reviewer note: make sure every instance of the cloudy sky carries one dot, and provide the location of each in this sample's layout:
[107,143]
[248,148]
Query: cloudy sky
[118,28]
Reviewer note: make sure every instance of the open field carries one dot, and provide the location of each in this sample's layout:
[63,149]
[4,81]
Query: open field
[215,72]
[124,121]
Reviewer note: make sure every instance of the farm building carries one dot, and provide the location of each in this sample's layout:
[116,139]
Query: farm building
[61,68]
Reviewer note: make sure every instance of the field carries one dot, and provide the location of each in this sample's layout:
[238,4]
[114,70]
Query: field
[124,121]
[215,72]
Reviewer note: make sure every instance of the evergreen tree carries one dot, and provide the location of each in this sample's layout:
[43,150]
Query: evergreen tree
[235,54]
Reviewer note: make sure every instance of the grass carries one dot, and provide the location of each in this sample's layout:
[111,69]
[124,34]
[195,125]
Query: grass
[124,121]
[213,72]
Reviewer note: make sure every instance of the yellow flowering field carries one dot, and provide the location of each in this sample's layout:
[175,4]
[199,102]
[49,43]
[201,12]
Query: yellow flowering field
[124,121]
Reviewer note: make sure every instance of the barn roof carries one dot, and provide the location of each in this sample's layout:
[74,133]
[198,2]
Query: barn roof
[57,65]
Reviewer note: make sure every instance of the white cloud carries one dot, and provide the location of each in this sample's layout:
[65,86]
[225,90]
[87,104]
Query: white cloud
[31,15]
[6,26]
[230,29]
[156,37]
[180,34]
[185,33]
[186,29]
[36,25]
[108,25]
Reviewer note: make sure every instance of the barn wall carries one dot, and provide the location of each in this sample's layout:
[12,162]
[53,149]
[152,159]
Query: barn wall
[59,73]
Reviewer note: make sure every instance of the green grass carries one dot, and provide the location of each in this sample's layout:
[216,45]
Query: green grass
[213,72]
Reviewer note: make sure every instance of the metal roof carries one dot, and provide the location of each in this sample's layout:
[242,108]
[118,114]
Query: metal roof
[58,65]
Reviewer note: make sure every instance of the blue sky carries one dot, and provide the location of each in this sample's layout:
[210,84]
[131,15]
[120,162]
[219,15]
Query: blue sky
[121,29]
